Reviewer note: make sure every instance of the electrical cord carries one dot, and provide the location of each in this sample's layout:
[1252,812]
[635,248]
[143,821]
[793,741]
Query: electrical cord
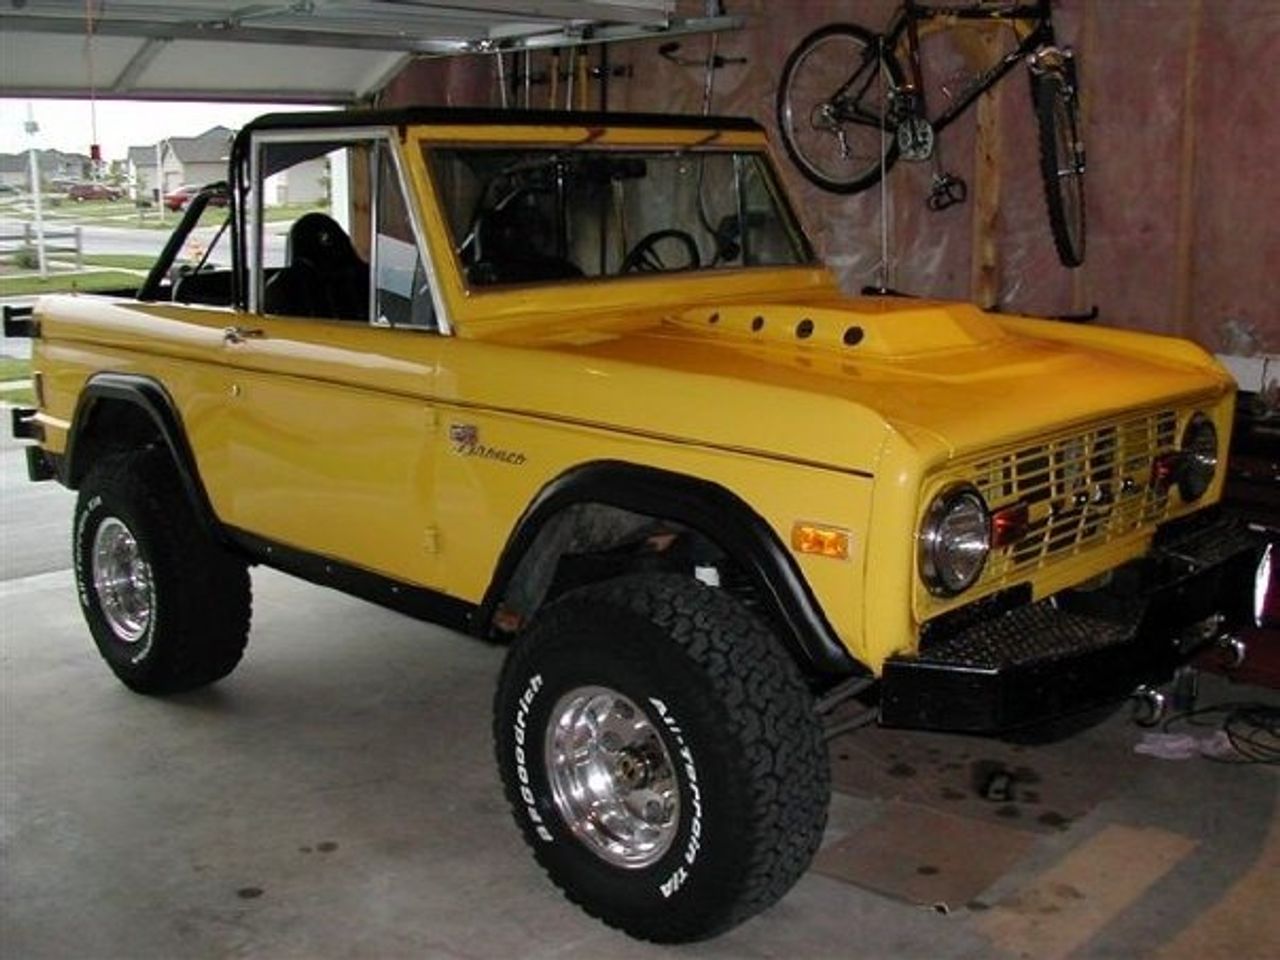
[1252,729]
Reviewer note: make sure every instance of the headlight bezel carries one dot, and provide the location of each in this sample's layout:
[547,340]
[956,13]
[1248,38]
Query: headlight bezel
[1198,468]
[937,571]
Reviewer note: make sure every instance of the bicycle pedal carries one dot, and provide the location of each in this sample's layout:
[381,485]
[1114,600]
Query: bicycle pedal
[947,191]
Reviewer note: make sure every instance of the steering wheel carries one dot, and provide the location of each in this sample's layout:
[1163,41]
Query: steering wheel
[646,256]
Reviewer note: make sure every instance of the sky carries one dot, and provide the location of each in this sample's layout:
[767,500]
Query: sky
[67,124]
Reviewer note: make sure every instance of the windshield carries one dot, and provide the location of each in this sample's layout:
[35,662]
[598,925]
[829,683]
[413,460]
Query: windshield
[522,215]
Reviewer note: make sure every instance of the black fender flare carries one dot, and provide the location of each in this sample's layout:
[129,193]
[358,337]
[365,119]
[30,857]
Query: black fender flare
[712,510]
[148,396]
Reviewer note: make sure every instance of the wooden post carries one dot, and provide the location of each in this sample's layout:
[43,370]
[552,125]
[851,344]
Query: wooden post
[1184,264]
[985,271]
[1084,48]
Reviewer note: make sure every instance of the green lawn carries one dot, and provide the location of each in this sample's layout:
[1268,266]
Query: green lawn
[22,397]
[120,213]
[68,282]
[11,369]
[124,261]
[89,209]
[291,211]
[119,261]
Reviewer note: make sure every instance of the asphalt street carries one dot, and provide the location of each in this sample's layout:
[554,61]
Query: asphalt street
[136,241]
[123,240]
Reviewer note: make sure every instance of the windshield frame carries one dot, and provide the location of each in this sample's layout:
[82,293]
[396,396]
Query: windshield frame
[506,304]
[555,158]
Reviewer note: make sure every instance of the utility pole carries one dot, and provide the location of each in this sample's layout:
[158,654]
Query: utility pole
[32,129]
[159,184]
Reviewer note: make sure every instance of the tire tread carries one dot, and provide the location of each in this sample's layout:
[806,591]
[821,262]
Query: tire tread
[770,712]
[207,606]
[1045,95]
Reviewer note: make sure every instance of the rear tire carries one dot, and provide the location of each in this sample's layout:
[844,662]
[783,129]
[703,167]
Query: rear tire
[1061,162]
[711,796]
[168,607]
[811,118]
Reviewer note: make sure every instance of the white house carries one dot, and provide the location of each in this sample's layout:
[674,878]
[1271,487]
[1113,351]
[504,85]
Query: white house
[195,160]
[141,170]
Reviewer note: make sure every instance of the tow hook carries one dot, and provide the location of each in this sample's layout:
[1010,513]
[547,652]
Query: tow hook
[1149,706]
[1234,650]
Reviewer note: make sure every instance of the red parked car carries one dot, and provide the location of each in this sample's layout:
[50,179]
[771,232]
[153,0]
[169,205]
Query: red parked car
[179,197]
[80,192]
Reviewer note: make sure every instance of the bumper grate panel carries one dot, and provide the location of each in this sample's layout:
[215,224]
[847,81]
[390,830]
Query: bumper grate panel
[1032,634]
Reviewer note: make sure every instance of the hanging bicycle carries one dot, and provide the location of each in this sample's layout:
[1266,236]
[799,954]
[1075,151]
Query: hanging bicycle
[847,111]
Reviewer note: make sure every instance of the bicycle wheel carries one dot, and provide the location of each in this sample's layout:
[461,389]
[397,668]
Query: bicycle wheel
[1061,162]
[832,107]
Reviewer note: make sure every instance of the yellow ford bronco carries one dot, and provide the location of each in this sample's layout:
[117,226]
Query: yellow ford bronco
[578,382]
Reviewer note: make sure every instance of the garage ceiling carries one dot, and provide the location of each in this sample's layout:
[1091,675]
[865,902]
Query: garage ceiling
[303,50]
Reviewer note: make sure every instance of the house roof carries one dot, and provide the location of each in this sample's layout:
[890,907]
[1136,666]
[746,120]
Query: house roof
[142,156]
[212,146]
[51,162]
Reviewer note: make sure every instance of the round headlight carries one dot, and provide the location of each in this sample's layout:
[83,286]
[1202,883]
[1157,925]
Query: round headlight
[1199,450]
[954,541]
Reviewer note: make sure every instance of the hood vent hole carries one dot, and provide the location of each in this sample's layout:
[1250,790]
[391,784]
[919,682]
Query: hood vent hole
[757,324]
[852,336]
[714,318]
[804,329]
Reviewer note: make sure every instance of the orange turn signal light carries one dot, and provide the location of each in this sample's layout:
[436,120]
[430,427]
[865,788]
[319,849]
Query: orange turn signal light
[819,540]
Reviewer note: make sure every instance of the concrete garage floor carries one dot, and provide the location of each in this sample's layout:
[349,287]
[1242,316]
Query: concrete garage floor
[336,797]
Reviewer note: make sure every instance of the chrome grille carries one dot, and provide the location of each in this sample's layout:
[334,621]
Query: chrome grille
[1081,489]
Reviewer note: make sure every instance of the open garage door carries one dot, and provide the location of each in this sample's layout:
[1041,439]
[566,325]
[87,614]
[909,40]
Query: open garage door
[318,51]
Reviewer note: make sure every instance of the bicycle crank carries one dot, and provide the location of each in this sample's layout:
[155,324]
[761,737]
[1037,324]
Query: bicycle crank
[915,138]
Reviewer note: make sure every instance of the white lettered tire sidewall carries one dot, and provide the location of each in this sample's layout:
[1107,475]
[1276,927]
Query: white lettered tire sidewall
[702,858]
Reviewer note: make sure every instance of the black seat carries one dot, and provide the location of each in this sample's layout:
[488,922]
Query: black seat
[208,287]
[515,243]
[325,277]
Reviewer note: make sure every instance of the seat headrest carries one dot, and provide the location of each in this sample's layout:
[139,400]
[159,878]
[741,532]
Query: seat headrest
[318,239]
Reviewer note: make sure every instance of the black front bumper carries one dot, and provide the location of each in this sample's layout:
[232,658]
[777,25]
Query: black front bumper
[24,426]
[1081,649]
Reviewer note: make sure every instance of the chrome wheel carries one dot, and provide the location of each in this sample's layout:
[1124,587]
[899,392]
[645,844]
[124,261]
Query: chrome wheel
[611,777]
[122,581]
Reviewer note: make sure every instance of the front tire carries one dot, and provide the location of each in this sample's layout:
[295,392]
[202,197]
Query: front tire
[661,755]
[168,607]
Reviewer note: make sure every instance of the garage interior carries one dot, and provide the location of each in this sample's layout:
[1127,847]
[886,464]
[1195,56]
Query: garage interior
[337,796]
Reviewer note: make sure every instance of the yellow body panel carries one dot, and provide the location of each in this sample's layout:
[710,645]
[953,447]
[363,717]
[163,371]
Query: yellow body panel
[335,438]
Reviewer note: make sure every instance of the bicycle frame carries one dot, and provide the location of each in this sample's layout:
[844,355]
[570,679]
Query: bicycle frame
[914,12]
